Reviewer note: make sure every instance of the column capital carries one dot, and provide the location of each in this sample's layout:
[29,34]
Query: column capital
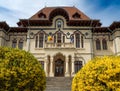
[73,59]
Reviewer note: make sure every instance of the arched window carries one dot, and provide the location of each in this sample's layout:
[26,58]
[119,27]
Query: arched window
[41,38]
[82,42]
[20,44]
[78,65]
[59,23]
[36,42]
[14,43]
[63,39]
[104,44]
[54,39]
[58,37]
[77,40]
[98,44]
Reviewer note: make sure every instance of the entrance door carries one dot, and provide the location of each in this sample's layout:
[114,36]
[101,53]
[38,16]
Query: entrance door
[59,67]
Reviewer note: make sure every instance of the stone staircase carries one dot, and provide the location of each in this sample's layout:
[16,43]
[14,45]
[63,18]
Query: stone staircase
[58,84]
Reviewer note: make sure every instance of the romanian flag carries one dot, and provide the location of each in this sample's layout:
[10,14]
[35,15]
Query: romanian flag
[50,38]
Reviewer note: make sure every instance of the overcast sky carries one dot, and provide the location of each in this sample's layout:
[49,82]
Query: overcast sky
[106,11]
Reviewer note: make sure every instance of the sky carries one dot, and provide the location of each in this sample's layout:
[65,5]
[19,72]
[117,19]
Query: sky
[107,11]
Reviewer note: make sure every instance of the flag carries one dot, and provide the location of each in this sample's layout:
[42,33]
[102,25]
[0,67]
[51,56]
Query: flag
[50,38]
[71,39]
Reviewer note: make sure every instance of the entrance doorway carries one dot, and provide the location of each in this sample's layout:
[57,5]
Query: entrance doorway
[59,67]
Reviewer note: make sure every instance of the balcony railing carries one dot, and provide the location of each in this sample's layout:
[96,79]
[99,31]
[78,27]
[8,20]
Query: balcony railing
[59,45]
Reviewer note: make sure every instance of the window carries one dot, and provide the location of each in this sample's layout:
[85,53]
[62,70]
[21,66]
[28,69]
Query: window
[104,44]
[41,15]
[58,37]
[41,38]
[54,39]
[78,65]
[77,40]
[20,44]
[76,15]
[72,39]
[59,23]
[46,38]
[98,44]
[36,42]
[42,64]
[82,42]
[63,39]
[14,43]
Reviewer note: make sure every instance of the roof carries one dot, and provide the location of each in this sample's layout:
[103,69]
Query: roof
[18,29]
[4,25]
[69,10]
[114,25]
[101,30]
[73,16]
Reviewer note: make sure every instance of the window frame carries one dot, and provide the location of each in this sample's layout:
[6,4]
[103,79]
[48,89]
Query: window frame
[98,44]
[78,65]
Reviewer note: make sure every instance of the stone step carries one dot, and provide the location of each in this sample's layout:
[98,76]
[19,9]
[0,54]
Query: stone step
[58,83]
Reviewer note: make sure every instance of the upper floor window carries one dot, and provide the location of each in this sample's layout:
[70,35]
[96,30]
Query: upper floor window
[54,39]
[36,41]
[41,39]
[82,42]
[58,37]
[98,44]
[20,44]
[59,23]
[104,44]
[14,43]
[63,39]
[76,15]
[77,40]
[41,15]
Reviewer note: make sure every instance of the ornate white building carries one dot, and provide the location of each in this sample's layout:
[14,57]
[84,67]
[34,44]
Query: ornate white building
[63,39]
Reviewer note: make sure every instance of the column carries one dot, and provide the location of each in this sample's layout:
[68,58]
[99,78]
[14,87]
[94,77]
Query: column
[67,66]
[46,67]
[73,68]
[51,67]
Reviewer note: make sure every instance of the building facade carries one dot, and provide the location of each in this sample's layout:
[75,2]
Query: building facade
[63,39]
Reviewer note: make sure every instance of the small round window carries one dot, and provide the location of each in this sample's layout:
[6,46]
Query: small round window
[59,23]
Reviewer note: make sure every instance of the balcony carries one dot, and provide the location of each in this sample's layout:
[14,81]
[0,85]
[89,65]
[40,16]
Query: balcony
[59,45]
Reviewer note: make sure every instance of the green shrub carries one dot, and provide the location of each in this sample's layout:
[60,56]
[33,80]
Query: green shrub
[20,71]
[99,74]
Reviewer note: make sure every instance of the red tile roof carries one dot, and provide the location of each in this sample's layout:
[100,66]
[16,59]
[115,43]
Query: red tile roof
[70,11]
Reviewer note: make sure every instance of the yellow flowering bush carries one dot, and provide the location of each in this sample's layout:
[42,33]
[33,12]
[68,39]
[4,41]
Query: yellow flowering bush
[20,71]
[99,74]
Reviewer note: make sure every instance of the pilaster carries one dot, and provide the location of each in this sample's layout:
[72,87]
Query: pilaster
[51,67]
[67,67]
[73,68]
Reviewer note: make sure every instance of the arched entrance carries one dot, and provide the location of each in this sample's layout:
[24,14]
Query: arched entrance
[59,67]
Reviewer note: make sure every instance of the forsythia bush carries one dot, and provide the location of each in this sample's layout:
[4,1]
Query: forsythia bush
[99,74]
[20,71]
